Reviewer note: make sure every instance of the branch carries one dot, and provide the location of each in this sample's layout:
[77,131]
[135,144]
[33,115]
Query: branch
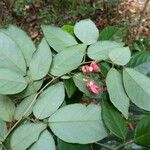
[141,19]
[33,101]
[124,144]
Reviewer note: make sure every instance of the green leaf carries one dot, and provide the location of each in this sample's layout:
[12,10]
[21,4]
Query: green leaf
[120,56]
[116,91]
[41,61]
[45,142]
[105,67]
[142,132]
[137,87]
[110,33]
[86,31]
[81,80]
[11,82]
[68,146]
[3,129]
[22,40]
[7,109]
[68,28]
[57,38]
[114,121]
[101,49]
[32,88]
[141,62]
[70,87]
[10,55]
[67,60]
[23,106]
[49,101]
[25,135]
[77,123]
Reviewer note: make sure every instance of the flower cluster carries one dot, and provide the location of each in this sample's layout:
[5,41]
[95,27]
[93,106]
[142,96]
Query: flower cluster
[93,67]
[91,85]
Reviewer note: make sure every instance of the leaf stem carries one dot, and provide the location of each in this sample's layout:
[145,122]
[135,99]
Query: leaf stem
[124,144]
[33,101]
[103,145]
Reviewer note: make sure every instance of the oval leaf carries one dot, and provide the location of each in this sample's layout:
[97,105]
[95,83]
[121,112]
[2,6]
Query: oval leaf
[49,101]
[41,61]
[86,31]
[142,132]
[23,106]
[45,142]
[111,117]
[57,38]
[70,123]
[7,108]
[67,60]
[116,91]
[141,62]
[101,49]
[120,56]
[25,135]
[137,87]
[23,41]
[10,55]
[11,82]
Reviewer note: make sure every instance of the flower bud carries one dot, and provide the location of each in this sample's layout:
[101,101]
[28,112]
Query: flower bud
[93,88]
[95,66]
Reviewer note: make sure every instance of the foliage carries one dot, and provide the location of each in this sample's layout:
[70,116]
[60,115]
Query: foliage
[73,91]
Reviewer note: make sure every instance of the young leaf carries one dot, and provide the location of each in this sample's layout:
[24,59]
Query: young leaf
[41,61]
[45,142]
[11,82]
[57,38]
[142,132]
[101,49]
[25,135]
[67,60]
[70,123]
[23,41]
[86,31]
[3,130]
[68,146]
[137,87]
[23,106]
[120,56]
[49,101]
[68,28]
[10,55]
[110,33]
[7,108]
[141,62]
[70,87]
[114,121]
[116,91]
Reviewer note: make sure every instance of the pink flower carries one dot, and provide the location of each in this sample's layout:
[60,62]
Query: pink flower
[95,66]
[92,87]
[86,69]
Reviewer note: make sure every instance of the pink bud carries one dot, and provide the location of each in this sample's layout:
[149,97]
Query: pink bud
[86,69]
[95,66]
[92,87]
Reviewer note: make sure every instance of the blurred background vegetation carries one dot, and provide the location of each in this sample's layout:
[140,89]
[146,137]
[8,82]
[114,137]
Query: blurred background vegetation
[30,14]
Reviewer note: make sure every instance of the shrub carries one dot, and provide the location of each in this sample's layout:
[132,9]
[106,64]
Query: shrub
[77,86]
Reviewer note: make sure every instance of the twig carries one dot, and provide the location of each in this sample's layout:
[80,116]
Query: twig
[103,145]
[141,19]
[33,101]
[124,144]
